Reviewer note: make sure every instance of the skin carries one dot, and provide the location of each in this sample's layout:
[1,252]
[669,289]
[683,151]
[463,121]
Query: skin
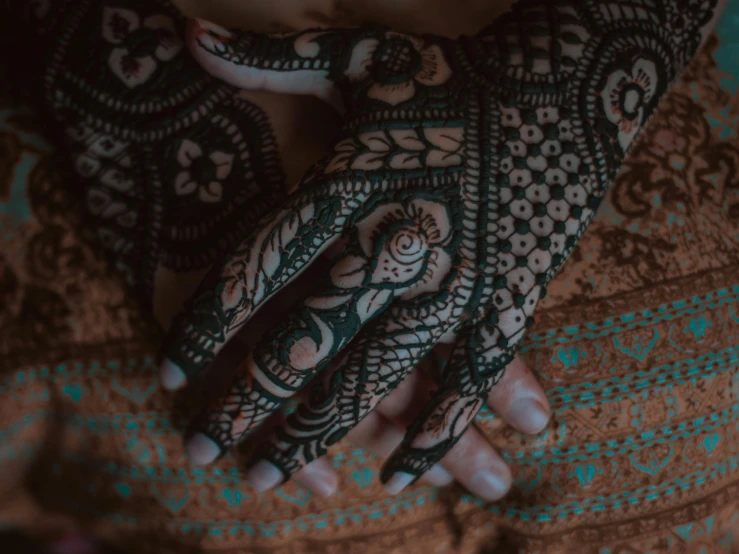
[423,268]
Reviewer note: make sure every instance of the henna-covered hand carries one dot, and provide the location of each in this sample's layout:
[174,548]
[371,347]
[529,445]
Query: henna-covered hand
[466,171]
[175,166]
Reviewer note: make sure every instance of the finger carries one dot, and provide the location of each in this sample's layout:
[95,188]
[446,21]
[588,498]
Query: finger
[307,339]
[373,367]
[472,461]
[519,399]
[271,257]
[380,436]
[381,431]
[308,62]
[318,477]
[480,355]
[466,382]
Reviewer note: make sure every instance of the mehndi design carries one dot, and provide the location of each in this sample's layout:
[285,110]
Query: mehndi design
[466,172]
[176,166]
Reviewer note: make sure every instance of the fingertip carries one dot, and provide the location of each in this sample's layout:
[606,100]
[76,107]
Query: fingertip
[438,476]
[171,375]
[319,477]
[264,475]
[202,450]
[399,481]
[491,484]
[528,416]
[520,400]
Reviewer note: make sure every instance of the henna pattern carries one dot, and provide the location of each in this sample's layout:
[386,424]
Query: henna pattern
[466,172]
[175,165]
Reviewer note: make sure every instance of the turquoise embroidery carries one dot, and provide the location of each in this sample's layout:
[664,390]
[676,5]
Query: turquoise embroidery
[299,498]
[124,489]
[639,347]
[140,391]
[710,443]
[363,476]
[569,357]
[698,326]
[234,496]
[74,391]
[169,500]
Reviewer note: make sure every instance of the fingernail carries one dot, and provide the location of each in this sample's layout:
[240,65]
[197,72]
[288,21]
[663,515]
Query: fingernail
[438,476]
[320,482]
[398,482]
[213,28]
[171,375]
[201,449]
[527,415]
[488,485]
[264,475]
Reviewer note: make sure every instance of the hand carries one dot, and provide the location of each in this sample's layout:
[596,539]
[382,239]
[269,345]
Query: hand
[163,230]
[465,173]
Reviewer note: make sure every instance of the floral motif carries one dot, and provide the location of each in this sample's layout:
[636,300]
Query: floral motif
[625,96]
[396,64]
[201,173]
[140,45]
[403,254]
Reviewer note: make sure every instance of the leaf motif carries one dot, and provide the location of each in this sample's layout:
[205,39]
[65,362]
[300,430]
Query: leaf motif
[349,272]
[376,141]
[407,139]
[371,302]
[405,160]
[448,139]
[438,158]
[338,163]
[231,293]
[344,151]
[369,161]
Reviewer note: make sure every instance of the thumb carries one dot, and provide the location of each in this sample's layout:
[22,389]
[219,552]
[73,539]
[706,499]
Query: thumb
[308,62]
